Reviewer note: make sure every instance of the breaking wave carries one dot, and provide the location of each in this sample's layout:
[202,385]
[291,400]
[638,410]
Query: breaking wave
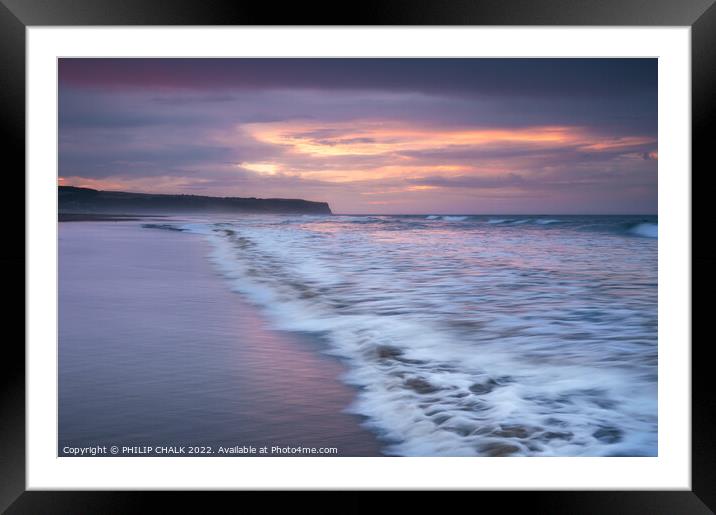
[476,342]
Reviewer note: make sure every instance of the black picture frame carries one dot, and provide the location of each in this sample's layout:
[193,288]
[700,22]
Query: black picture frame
[17,15]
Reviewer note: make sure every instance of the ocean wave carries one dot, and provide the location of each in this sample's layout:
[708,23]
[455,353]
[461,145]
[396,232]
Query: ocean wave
[647,230]
[509,221]
[448,218]
[466,348]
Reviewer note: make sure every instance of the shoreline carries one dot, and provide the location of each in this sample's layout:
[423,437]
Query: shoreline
[156,350]
[101,217]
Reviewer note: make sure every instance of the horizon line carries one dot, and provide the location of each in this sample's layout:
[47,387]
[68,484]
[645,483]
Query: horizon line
[366,214]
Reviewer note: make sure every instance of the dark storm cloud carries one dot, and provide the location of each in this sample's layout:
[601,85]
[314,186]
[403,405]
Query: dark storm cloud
[547,77]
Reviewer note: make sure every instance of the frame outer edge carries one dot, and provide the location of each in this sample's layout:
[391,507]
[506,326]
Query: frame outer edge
[371,12]
[12,260]
[12,102]
[703,116]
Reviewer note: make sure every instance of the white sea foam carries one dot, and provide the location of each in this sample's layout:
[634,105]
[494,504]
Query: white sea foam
[447,218]
[467,339]
[648,230]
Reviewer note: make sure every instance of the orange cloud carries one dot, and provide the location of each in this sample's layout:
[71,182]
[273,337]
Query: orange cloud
[167,184]
[333,143]
[384,172]
[421,188]
[363,138]
[263,168]
[618,143]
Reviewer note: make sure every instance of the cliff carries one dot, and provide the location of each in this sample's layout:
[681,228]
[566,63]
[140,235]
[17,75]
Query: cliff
[86,200]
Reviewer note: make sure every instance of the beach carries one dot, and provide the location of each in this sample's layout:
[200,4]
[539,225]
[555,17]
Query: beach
[155,350]
[432,335]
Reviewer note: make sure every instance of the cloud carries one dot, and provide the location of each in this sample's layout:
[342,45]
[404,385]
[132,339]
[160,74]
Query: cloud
[188,100]
[557,78]
[399,135]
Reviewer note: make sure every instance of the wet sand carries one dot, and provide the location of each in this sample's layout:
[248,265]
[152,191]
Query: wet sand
[100,217]
[155,350]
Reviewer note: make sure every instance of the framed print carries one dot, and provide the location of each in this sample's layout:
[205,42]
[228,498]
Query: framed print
[438,249]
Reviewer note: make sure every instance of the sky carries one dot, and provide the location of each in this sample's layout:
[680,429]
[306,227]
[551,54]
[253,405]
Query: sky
[441,136]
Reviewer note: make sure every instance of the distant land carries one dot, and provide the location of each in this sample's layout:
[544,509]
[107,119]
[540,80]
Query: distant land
[87,201]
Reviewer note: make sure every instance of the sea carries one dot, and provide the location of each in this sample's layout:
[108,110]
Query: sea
[457,335]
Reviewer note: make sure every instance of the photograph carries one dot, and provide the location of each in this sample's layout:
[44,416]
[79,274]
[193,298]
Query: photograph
[357,257]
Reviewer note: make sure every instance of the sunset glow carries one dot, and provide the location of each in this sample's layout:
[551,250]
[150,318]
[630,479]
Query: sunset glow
[419,136]
[375,138]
